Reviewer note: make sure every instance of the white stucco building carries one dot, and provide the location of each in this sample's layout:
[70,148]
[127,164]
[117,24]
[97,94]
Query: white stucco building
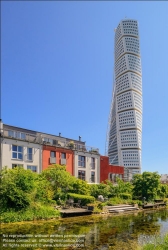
[164,178]
[125,125]
[36,150]
[20,147]
[87,165]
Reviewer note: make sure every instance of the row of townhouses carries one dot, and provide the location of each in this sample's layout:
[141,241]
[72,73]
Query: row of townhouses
[36,151]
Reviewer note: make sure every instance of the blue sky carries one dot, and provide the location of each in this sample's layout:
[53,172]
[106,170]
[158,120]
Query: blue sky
[57,70]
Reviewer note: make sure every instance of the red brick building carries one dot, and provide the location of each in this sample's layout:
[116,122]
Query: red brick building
[109,172]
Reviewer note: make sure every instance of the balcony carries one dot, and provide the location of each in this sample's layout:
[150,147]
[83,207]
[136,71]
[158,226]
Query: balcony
[19,135]
[52,160]
[70,145]
[92,165]
[62,143]
[92,179]
[53,142]
[29,157]
[63,161]
[84,148]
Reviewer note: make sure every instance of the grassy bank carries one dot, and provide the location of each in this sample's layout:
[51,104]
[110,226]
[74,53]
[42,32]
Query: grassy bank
[34,212]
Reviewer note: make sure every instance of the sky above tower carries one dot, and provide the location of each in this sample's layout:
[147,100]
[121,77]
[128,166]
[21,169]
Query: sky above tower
[57,67]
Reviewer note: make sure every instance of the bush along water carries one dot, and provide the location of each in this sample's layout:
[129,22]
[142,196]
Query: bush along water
[25,195]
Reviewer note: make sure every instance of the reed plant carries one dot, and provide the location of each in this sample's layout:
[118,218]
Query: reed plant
[156,243]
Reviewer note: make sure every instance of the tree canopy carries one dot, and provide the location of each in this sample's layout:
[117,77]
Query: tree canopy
[146,185]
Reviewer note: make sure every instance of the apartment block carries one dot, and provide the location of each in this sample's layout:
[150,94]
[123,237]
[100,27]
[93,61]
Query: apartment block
[37,150]
[20,147]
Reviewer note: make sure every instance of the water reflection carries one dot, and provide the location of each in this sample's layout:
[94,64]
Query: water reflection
[97,232]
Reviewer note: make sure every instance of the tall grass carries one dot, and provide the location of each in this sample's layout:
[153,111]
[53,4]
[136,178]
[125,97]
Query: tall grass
[156,243]
[35,212]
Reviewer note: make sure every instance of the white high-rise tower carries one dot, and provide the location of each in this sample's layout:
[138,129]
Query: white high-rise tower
[125,124]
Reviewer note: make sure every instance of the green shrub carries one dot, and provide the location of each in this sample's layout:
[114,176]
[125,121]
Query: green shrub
[100,205]
[16,188]
[114,201]
[125,196]
[97,210]
[136,202]
[85,199]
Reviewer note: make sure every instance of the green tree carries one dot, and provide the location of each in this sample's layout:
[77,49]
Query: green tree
[146,185]
[60,180]
[16,187]
[162,191]
[80,187]
[44,191]
[124,187]
[100,189]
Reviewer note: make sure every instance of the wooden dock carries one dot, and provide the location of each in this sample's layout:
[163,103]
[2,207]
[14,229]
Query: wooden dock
[155,205]
[70,212]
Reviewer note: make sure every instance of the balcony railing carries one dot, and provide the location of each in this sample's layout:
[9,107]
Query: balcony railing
[81,177]
[48,141]
[19,135]
[52,160]
[92,165]
[85,148]
[29,157]
[92,179]
[63,161]
[70,145]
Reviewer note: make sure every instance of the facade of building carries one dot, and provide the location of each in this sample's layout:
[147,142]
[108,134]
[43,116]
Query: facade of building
[110,172]
[58,155]
[164,178]
[125,124]
[87,164]
[36,151]
[20,147]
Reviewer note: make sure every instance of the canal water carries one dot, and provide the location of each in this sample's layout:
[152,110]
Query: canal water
[88,232]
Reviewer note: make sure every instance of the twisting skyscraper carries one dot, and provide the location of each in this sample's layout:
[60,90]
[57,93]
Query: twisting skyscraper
[125,124]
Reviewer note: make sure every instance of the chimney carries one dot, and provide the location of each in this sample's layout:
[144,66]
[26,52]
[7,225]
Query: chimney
[79,138]
[59,134]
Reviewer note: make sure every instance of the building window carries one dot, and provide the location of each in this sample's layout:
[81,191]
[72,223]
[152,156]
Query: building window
[81,175]
[29,154]
[63,155]
[52,154]
[92,163]
[17,165]
[21,135]
[11,133]
[17,152]
[32,168]
[47,140]
[52,157]
[81,161]
[112,177]
[92,176]
[18,135]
